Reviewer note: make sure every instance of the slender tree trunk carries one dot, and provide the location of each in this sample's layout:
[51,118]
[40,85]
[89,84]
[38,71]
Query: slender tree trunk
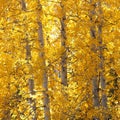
[30,80]
[63,57]
[31,100]
[45,77]
[101,56]
[63,45]
[95,80]
[46,100]
[95,92]
[101,64]
[96,33]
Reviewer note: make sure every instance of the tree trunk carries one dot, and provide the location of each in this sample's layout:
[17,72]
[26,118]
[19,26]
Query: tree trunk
[30,80]
[30,83]
[96,33]
[46,100]
[63,45]
[63,57]
[95,80]
[101,64]
[95,92]
[44,77]
[101,56]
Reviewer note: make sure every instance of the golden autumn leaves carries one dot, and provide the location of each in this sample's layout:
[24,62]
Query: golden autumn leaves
[74,101]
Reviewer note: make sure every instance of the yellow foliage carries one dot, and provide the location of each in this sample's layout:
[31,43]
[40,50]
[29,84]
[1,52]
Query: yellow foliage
[91,47]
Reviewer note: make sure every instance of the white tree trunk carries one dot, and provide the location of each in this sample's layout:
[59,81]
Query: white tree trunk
[30,80]
[44,77]
[101,56]
[46,100]
[95,80]
[32,100]
[64,54]
[96,33]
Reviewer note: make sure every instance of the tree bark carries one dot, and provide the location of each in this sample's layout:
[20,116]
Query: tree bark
[30,80]
[95,80]
[44,77]
[96,33]
[101,64]
[101,56]
[46,100]
[63,45]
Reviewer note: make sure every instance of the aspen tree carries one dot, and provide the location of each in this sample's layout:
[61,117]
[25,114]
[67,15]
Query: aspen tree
[93,33]
[63,44]
[46,100]
[96,34]
[30,80]
[101,57]
[95,79]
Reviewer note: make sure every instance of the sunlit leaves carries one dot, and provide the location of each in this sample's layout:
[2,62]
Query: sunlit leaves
[75,100]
